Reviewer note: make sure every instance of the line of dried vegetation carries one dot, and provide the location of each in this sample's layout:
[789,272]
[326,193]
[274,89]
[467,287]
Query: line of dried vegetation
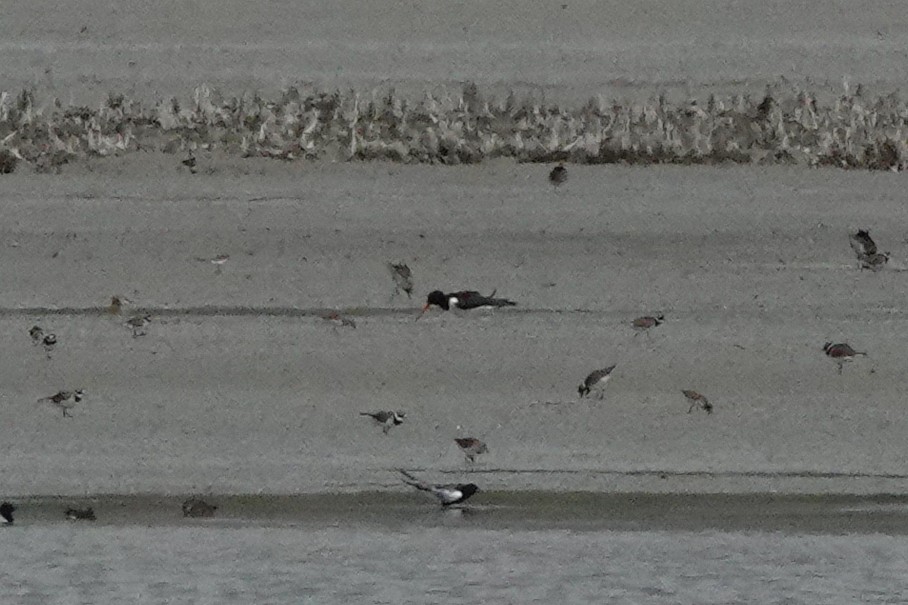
[453,126]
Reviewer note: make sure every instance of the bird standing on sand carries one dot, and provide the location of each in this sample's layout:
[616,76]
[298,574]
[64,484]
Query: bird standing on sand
[403,278]
[596,378]
[865,249]
[138,324]
[196,507]
[464,300]
[65,400]
[558,175]
[81,514]
[37,334]
[49,341]
[386,419]
[697,400]
[645,323]
[471,447]
[449,494]
[841,353]
[6,513]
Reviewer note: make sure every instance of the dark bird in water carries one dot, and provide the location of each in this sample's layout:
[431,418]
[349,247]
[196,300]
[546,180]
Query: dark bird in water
[403,278]
[196,507]
[841,353]
[6,513]
[596,378]
[471,447]
[65,400]
[558,175]
[81,514]
[464,300]
[645,323]
[386,419]
[697,400]
[446,494]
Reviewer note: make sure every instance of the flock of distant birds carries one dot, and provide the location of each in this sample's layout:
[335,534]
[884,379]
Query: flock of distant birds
[865,249]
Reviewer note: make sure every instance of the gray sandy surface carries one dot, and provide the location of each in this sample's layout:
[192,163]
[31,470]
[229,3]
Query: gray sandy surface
[241,387]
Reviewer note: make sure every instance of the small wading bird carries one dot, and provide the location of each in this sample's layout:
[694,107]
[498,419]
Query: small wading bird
[80,514]
[454,493]
[464,300]
[138,324]
[196,507]
[865,249]
[386,419]
[645,323]
[697,400]
[49,342]
[116,304]
[403,278]
[6,513]
[471,447]
[339,320]
[37,334]
[841,353]
[558,175]
[65,400]
[597,378]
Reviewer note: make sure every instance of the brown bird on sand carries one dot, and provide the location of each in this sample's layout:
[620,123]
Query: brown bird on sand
[697,400]
[65,400]
[196,507]
[471,447]
[596,378]
[841,353]
[403,278]
[645,323]
[138,324]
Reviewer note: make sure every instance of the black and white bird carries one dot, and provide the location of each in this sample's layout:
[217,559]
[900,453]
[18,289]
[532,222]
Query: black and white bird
[697,400]
[464,300]
[841,353]
[558,175]
[138,324]
[6,513]
[403,278]
[446,494]
[65,400]
[196,507]
[471,447]
[596,378]
[81,514]
[387,419]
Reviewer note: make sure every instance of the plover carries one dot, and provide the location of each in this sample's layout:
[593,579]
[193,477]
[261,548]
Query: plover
[558,175]
[339,320]
[875,262]
[446,494]
[386,419]
[116,304]
[65,400]
[596,378]
[138,324]
[862,243]
[697,400]
[471,447]
[6,513]
[81,514]
[49,341]
[196,507]
[403,278]
[464,300]
[841,353]
[36,333]
[644,323]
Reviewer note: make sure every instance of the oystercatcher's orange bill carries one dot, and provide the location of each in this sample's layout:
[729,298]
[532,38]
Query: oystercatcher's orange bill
[424,309]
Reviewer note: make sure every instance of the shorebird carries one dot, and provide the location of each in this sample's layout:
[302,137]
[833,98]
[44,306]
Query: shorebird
[116,304]
[596,378]
[697,400]
[138,323]
[841,353]
[874,262]
[644,323]
[862,243]
[81,514]
[403,278]
[196,507]
[558,175]
[190,163]
[49,341]
[339,320]
[65,400]
[386,419]
[471,447]
[36,333]
[464,300]
[446,494]
[6,513]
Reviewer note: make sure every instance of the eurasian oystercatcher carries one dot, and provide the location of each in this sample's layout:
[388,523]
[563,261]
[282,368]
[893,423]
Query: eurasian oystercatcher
[446,494]
[81,514]
[196,507]
[403,278]
[644,323]
[386,419]
[471,447]
[558,175]
[596,378]
[697,400]
[65,400]
[464,300]
[6,513]
[841,353]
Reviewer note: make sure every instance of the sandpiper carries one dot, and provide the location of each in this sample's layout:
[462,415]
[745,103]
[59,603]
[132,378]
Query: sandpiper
[36,333]
[6,513]
[697,400]
[841,353]
[138,324]
[558,175]
[65,400]
[116,304]
[81,514]
[875,262]
[646,322]
[596,378]
[471,447]
[49,341]
[403,278]
[339,320]
[862,243]
[464,300]
[446,494]
[386,419]
[196,507]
